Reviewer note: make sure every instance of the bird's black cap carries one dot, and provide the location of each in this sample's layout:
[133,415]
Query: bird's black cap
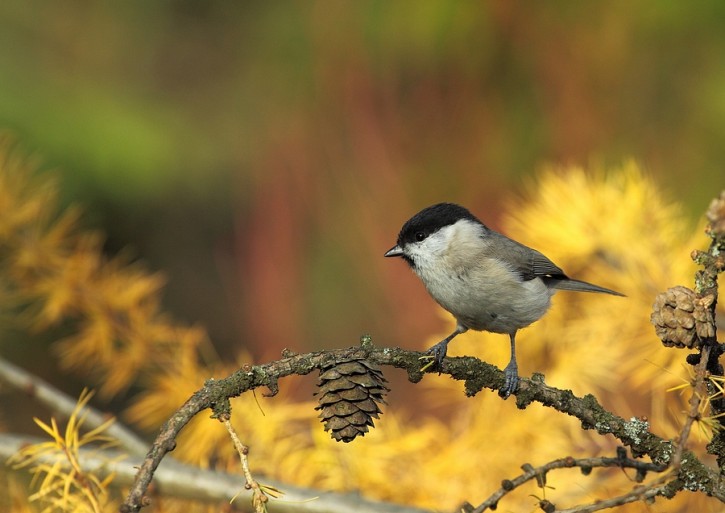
[431,219]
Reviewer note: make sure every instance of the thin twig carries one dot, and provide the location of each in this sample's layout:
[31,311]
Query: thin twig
[641,493]
[259,498]
[699,393]
[586,464]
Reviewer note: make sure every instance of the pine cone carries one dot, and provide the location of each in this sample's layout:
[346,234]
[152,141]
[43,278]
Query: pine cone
[349,396]
[681,318]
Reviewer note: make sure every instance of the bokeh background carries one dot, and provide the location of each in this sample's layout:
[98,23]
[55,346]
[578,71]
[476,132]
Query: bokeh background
[264,155]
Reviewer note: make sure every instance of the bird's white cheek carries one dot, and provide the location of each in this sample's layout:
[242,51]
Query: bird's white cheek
[428,264]
[429,251]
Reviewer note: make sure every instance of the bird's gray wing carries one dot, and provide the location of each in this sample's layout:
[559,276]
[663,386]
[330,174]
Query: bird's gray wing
[528,262]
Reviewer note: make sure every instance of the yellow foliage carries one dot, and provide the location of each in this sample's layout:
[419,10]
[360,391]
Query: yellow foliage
[615,229]
[612,228]
[62,484]
[59,273]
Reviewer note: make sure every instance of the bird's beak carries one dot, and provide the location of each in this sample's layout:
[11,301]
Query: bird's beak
[395,251]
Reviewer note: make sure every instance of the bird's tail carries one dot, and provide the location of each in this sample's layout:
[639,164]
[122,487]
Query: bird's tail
[579,286]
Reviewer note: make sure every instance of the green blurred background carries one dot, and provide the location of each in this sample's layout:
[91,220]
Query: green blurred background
[265,154]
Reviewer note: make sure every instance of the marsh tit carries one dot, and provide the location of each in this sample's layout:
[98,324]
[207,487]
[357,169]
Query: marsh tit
[486,280]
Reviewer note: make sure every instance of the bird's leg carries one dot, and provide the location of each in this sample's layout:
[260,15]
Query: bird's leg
[511,372]
[438,351]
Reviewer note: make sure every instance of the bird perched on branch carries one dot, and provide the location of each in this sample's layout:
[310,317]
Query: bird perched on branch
[486,280]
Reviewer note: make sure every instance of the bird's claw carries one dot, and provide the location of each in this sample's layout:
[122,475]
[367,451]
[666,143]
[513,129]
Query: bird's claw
[435,354]
[511,381]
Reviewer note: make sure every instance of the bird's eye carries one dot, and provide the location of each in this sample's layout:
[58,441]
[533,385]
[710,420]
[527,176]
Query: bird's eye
[419,236]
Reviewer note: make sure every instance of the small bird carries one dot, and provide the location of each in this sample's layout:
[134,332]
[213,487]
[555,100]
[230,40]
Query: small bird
[486,280]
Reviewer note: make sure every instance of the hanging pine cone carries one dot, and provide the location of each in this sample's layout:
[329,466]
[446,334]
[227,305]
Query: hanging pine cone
[349,396]
[681,318]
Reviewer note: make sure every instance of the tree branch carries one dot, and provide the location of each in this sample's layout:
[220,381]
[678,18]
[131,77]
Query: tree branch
[476,374]
[586,464]
[706,285]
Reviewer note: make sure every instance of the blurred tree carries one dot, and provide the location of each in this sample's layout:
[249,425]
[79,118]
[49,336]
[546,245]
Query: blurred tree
[196,130]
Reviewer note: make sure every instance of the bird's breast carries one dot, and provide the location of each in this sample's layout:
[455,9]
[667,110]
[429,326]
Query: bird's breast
[488,297]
